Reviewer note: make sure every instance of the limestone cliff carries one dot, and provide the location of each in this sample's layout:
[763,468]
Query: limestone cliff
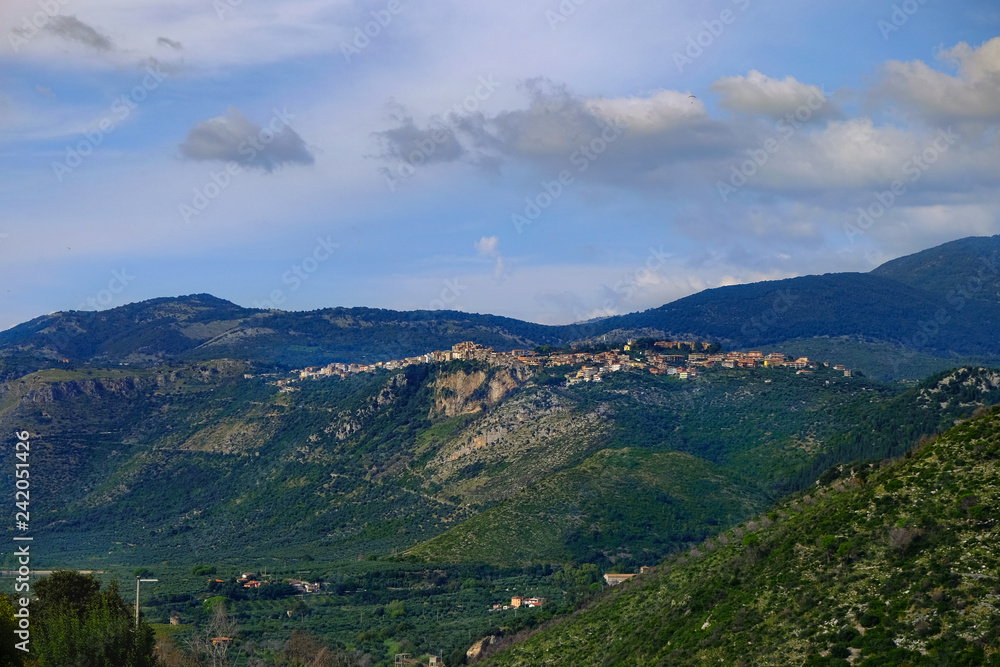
[465,392]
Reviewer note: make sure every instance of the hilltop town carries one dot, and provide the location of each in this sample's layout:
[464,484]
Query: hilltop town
[684,359]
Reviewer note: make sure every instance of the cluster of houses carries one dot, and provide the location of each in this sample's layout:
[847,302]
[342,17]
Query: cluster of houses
[802,365]
[681,358]
[520,601]
[250,580]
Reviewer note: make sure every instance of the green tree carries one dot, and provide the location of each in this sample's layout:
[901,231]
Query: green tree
[9,656]
[78,624]
[66,588]
[752,543]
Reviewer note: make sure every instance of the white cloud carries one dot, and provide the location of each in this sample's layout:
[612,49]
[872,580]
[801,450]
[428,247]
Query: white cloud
[663,111]
[488,246]
[974,94]
[757,93]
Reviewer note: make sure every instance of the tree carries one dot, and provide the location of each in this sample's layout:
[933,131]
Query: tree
[828,543]
[66,588]
[900,538]
[306,650]
[968,503]
[214,645]
[9,656]
[752,541]
[78,624]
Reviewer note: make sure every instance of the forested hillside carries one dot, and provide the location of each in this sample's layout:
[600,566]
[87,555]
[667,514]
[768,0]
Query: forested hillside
[888,563]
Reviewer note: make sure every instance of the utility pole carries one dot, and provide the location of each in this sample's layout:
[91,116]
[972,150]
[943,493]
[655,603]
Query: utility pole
[137,580]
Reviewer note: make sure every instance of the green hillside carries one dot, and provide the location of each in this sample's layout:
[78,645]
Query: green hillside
[883,564]
[959,270]
[190,461]
[747,438]
[619,503]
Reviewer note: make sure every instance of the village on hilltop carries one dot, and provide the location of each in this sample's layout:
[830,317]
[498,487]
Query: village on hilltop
[684,359]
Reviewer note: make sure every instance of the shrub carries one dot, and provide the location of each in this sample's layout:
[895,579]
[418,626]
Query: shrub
[870,620]
[840,651]
[846,635]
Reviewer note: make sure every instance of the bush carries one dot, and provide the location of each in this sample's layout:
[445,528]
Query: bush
[846,635]
[840,651]
[870,620]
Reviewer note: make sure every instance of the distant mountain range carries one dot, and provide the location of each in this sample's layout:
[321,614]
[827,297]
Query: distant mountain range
[914,315]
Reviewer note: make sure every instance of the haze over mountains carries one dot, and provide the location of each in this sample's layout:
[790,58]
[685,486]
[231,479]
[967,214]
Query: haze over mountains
[911,316]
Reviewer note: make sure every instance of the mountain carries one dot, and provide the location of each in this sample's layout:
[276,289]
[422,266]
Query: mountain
[884,564]
[202,326]
[967,269]
[209,458]
[843,304]
[912,316]
[690,457]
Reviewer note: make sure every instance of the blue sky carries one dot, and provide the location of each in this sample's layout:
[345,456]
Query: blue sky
[551,161]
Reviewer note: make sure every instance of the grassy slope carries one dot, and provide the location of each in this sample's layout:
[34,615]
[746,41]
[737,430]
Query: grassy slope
[899,569]
[642,499]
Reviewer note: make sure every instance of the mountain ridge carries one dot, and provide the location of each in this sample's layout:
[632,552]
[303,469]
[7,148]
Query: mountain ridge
[936,307]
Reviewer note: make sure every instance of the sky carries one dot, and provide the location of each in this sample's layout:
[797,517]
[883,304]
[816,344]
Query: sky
[553,160]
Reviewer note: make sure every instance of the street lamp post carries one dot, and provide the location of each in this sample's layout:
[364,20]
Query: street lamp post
[137,580]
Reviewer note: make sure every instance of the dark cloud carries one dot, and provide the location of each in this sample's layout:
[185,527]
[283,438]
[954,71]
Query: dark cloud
[610,138]
[408,143]
[235,138]
[163,41]
[73,29]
